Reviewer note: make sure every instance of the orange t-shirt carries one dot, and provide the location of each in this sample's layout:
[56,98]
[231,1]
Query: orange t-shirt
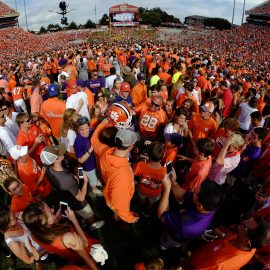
[138,94]
[170,154]
[18,204]
[183,97]
[17,93]
[91,65]
[197,173]
[151,122]
[29,139]
[151,179]
[11,84]
[166,77]
[29,173]
[90,97]
[202,128]
[139,266]
[57,107]
[220,255]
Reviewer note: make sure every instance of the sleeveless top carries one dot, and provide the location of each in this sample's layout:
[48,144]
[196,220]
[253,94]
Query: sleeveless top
[24,239]
[57,247]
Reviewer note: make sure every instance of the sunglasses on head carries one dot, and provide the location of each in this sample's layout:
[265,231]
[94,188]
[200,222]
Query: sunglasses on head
[83,120]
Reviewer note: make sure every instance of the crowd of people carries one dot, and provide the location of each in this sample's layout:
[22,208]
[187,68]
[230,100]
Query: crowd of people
[173,135]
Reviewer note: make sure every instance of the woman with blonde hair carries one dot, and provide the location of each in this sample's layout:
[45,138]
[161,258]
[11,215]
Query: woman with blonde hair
[68,129]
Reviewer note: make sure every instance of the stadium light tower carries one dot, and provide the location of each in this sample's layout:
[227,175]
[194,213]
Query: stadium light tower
[26,22]
[243,14]
[233,13]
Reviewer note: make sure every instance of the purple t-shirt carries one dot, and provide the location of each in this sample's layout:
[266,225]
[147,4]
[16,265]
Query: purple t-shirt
[186,224]
[81,146]
[95,85]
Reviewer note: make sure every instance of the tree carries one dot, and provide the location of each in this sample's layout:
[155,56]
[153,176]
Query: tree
[152,18]
[104,20]
[72,26]
[42,30]
[89,24]
[149,16]
[218,23]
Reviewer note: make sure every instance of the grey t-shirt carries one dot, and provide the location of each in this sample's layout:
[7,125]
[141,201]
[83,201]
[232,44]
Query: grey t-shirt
[67,186]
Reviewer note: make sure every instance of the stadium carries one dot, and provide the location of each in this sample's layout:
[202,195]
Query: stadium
[259,15]
[145,149]
[8,16]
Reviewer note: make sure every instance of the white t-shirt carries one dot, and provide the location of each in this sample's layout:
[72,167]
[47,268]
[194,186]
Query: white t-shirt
[244,118]
[169,129]
[69,140]
[7,138]
[12,125]
[73,102]
[218,173]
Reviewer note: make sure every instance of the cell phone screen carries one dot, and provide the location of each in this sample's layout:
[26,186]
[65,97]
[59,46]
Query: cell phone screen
[80,172]
[63,206]
[169,167]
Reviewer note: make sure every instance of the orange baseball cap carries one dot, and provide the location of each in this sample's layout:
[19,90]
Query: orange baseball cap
[125,87]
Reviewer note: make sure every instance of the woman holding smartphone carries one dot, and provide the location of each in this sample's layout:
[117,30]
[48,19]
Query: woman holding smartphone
[67,241]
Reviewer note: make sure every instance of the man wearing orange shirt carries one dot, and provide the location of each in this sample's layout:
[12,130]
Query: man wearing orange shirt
[234,251]
[152,119]
[200,165]
[53,109]
[21,195]
[118,176]
[165,76]
[229,127]
[139,91]
[202,125]
[29,172]
[71,70]
[90,96]
[18,96]
[30,135]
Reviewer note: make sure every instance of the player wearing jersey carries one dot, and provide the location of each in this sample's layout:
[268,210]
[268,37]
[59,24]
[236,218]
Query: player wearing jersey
[152,119]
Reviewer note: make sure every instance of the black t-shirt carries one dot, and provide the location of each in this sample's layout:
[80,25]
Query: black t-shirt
[67,186]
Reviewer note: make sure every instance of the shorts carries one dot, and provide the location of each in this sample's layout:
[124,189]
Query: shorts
[151,199]
[86,213]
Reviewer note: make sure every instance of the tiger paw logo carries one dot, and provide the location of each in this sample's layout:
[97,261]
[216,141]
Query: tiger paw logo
[123,7]
[114,116]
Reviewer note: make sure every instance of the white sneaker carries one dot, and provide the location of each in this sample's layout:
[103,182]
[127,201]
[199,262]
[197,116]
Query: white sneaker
[97,192]
[96,225]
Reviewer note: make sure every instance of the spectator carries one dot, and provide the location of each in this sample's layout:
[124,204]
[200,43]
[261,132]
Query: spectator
[195,218]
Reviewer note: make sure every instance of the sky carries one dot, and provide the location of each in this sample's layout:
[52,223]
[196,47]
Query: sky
[38,13]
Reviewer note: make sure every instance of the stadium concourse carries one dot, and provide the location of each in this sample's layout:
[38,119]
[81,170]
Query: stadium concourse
[145,150]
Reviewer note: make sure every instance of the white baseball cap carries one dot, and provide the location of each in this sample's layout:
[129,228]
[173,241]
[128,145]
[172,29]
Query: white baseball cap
[17,151]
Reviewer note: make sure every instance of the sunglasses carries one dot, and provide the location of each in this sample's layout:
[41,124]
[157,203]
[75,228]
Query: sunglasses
[100,96]
[4,109]
[28,120]
[83,120]
[95,74]
[155,105]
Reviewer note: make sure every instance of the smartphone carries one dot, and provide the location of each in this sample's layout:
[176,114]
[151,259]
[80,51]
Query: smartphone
[80,172]
[169,167]
[63,206]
